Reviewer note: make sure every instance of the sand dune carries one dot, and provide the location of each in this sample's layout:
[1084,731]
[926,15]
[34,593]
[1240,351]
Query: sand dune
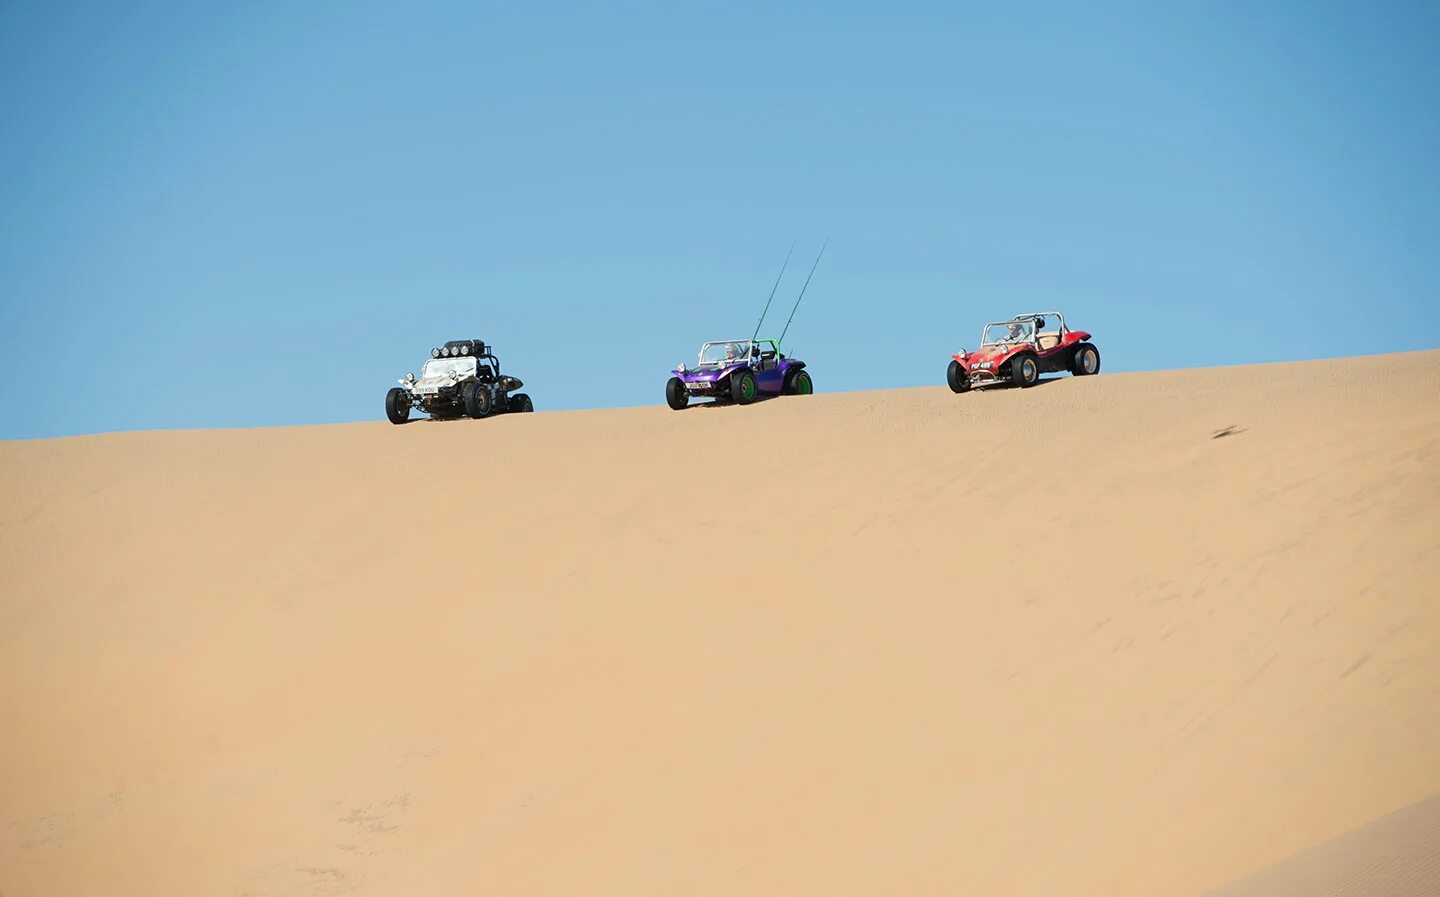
[1398,856]
[1125,635]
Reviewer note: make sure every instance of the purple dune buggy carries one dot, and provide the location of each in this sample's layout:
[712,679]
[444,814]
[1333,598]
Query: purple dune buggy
[739,371]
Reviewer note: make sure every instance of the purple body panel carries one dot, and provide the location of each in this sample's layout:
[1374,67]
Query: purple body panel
[771,372]
[769,376]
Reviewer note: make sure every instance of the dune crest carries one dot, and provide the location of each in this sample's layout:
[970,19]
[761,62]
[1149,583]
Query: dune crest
[1123,635]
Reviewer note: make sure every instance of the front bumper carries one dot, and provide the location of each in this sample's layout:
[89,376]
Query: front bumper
[979,379]
[433,396]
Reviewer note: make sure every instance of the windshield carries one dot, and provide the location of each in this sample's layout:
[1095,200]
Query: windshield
[1008,332]
[725,353]
[441,367]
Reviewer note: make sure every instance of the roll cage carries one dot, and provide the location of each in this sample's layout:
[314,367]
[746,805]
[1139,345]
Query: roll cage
[1036,320]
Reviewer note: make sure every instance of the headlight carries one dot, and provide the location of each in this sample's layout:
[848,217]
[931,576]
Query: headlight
[464,350]
[434,353]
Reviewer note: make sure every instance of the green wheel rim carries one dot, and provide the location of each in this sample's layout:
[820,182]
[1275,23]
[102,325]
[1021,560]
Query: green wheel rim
[747,387]
[802,384]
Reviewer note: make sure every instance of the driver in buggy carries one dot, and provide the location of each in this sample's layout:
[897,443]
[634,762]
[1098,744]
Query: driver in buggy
[1017,332]
[733,352]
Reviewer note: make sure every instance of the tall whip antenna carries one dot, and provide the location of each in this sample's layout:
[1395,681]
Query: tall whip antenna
[802,291]
[772,293]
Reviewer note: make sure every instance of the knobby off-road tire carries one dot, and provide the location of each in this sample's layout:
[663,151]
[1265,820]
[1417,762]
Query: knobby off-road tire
[742,387]
[676,395]
[798,383]
[520,403]
[1086,360]
[397,405]
[958,379]
[477,400]
[1025,370]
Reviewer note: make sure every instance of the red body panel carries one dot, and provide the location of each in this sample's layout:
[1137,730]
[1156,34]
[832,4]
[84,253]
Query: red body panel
[998,355]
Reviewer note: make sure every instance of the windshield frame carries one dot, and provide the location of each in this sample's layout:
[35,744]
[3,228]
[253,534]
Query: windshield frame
[1007,342]
[443,366]
[745,347]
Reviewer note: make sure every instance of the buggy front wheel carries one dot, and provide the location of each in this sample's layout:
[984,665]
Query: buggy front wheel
[397,405]
[957,377]
[1025,370]
[742,387]
[477,400]
[676,395]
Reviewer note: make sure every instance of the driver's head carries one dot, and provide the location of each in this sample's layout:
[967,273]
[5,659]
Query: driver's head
[1015,331]
[731,350]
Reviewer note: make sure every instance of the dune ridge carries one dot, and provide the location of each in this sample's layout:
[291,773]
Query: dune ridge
[1126,635]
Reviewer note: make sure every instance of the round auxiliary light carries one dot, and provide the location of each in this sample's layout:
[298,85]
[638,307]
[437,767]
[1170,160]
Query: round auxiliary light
[464,350]
[452,351]
[434,353]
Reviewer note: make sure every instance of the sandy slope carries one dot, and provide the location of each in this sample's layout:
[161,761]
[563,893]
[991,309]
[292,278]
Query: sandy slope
[1059,641]
[1397,856]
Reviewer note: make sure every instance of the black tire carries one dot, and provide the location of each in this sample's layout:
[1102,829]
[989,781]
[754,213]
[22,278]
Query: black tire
[1024,370]
[1086,360]
[676,395]
[742,387]
[397,405]
[957,377]
[477,400]
[798,383]
[521,404]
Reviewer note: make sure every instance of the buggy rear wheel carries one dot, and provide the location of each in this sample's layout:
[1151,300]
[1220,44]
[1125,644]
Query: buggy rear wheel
[520,402]
[799,384]
[957,377]
[397,405]
[477,400]
[1086,360]
[1024,370]
[742,387]
[676,395]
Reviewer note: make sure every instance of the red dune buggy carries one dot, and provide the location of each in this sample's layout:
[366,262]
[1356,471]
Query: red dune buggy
[1019,350]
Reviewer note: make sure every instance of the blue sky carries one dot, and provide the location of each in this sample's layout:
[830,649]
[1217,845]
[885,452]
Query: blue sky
[260,214]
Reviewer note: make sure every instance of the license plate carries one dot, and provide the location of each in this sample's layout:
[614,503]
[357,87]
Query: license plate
[699,385]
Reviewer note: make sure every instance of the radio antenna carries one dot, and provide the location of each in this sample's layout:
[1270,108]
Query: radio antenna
[802,291]
[772,293]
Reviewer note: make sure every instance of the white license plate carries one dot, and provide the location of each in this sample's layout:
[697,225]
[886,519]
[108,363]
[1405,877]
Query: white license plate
[700,385]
